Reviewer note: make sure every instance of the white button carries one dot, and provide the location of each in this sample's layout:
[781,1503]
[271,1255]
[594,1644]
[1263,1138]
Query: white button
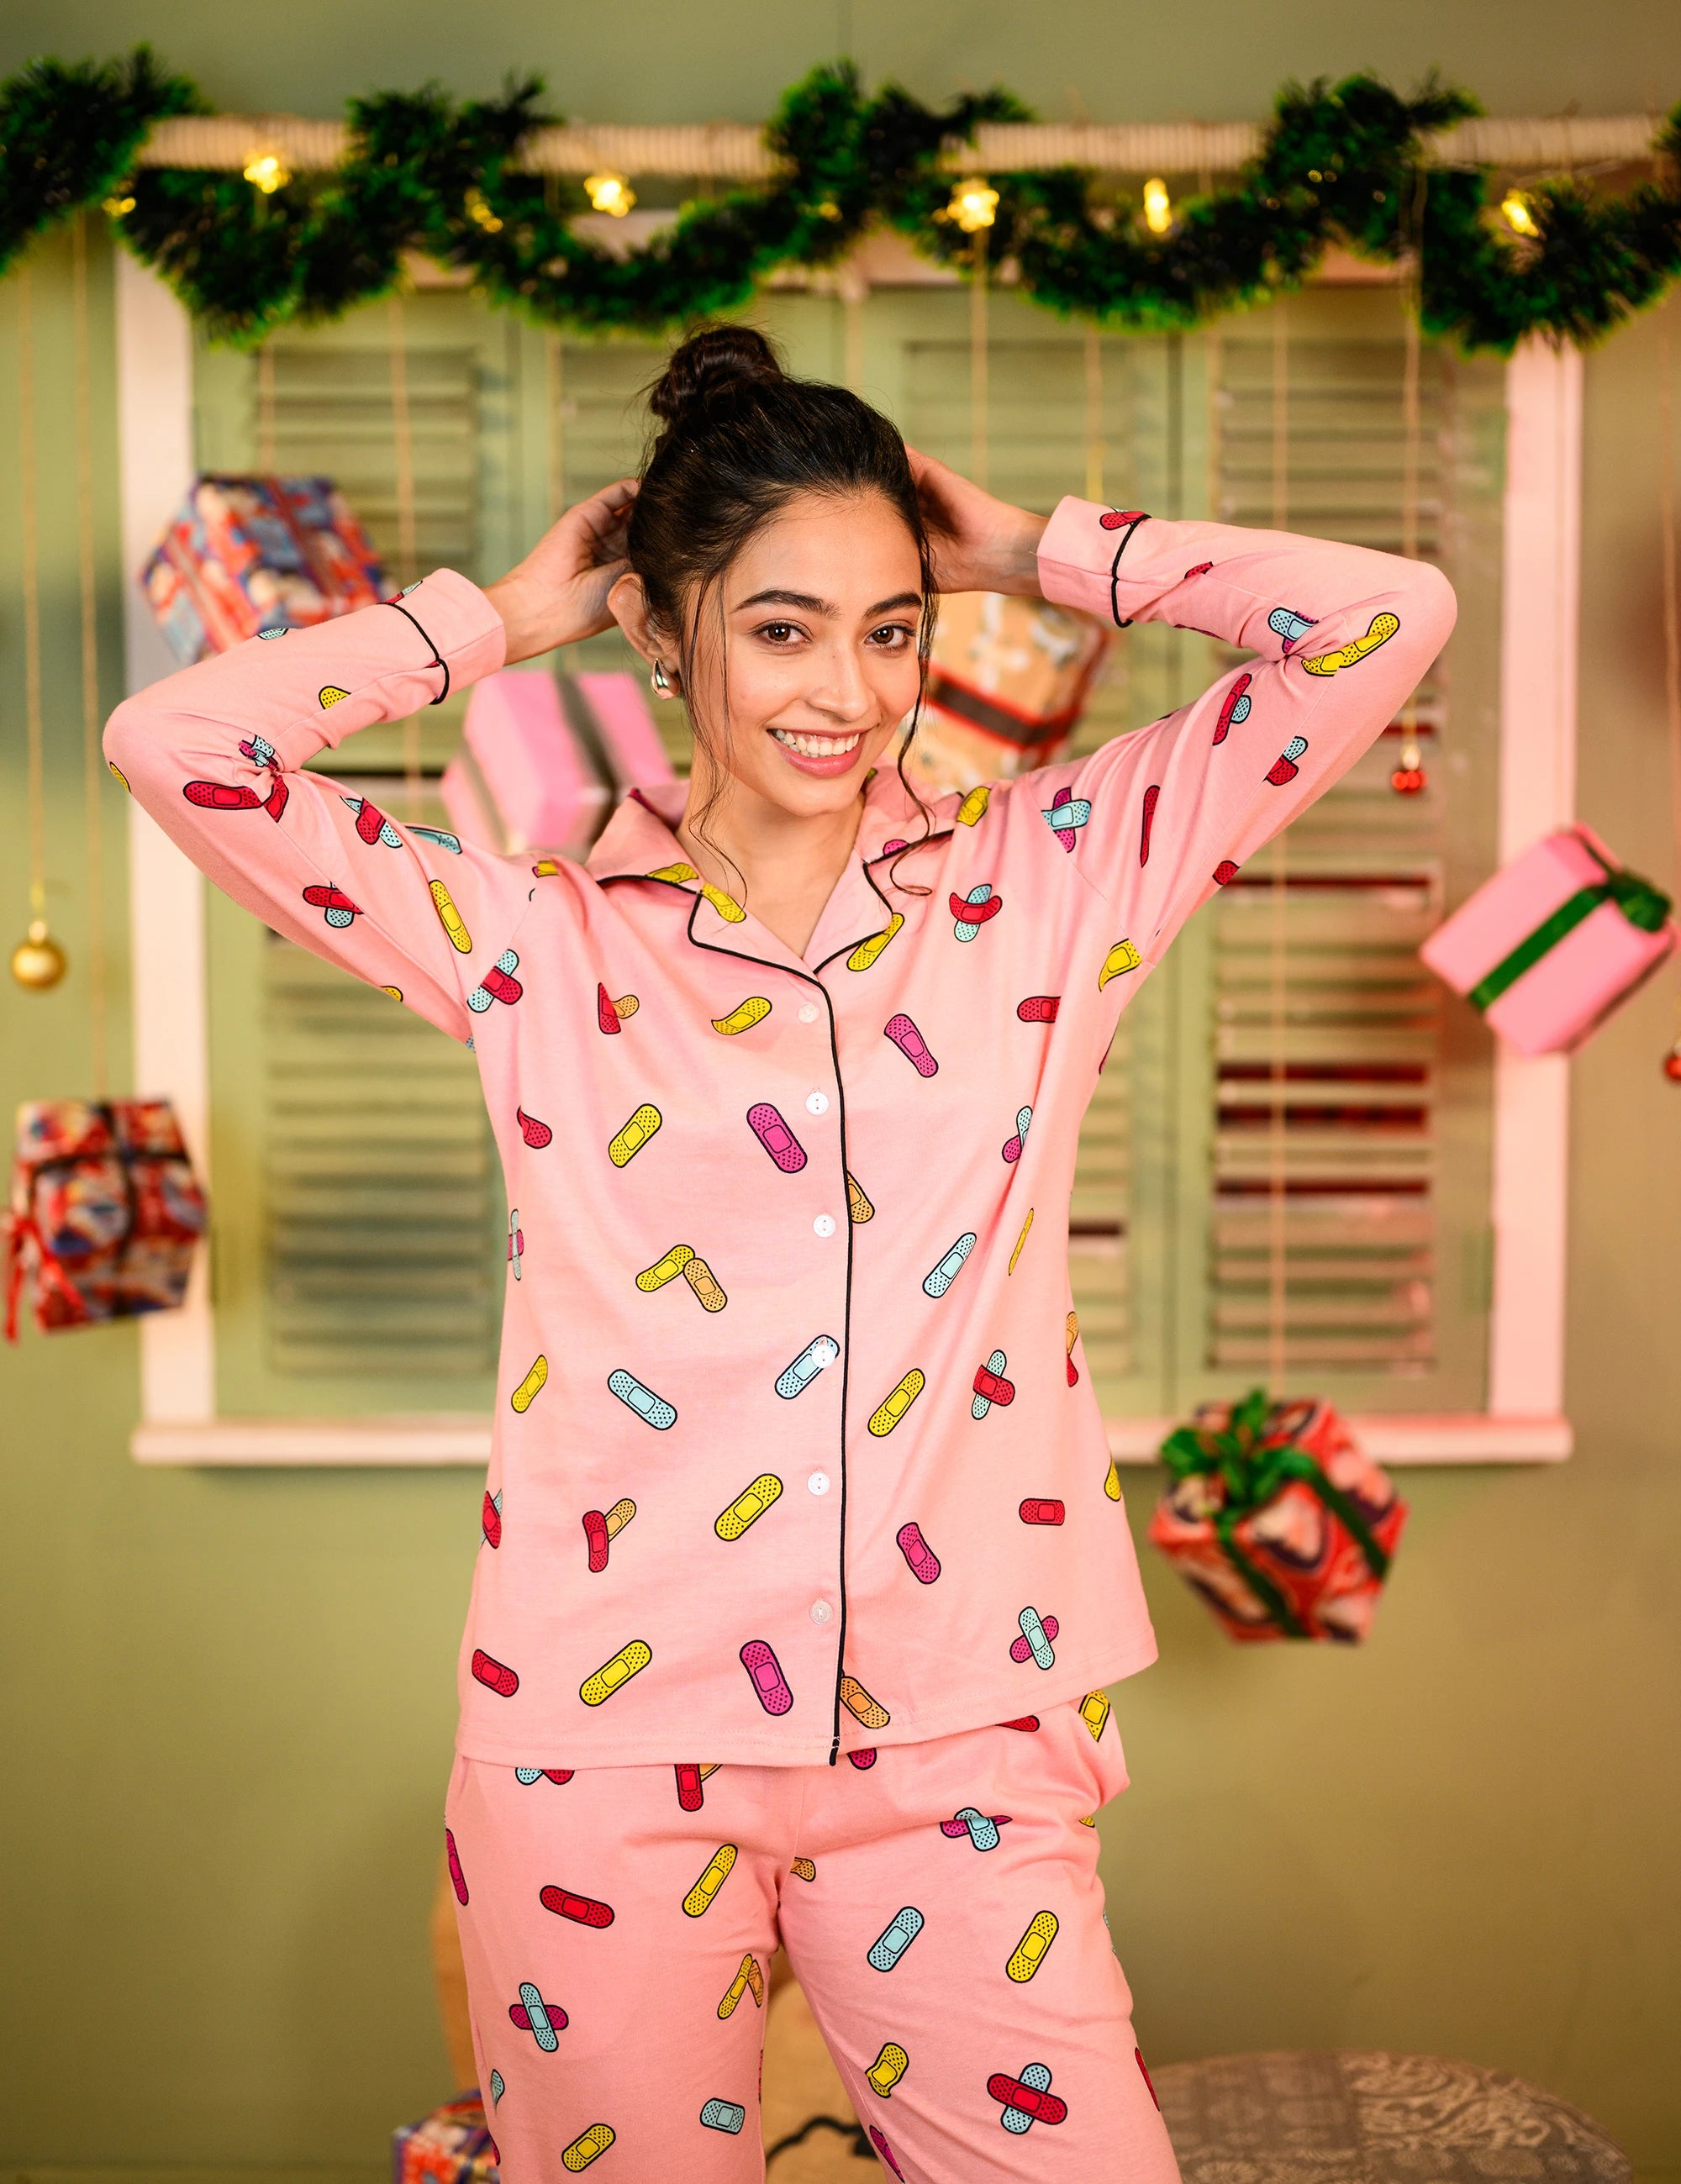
[817,1103]
[821,1611]
[818,1482]
[808,1011]
[824,1225]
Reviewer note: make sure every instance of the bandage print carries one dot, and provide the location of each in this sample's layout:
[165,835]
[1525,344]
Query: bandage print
[498,2086]
[372,824]
[1021,1721]
[879,2141]
[887,1415]
[1284,768]
[1121,958]
[458,1879]
[1195,569]
[912,1044]
[939,1279]
[990,1386]
[582,1910]
[1152,798]
[748,1506]
[974,909]
[1027,2098]
[227,796]
[531,1386]
[613,1674]
[1225,872]
[803,1869]
[1012,1147]
[586,2147]
[450,918]
[536,1135]
[712,1875]
[333,904]
[1035,1641]
[857,1700]
[773,1133]
[515,1242]
[1382,628]
[796,1378]
[610,1014]
[1235,709]
[718,2115]
[771,1688]
[1292,627]
[894,1938]
[863,1757]
[923,1563]
[1094,1712]
[973,805]
[653,1410]
[500,985]
[558,1775]
[490,1519]
[1116,519]
[543,2020]
[495,1675]
[1039,1008]
[1041,1512]
[1072,1334]
[1028,1953]
[1020,1241]
[749,1980]
[742,1017]
[981,1829]
[888,2067]
[858,1207]
[868,952]
[440,837]
[625,1144]
[1068,813]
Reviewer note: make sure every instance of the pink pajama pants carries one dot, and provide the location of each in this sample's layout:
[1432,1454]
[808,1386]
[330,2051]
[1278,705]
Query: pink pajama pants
[941,1908]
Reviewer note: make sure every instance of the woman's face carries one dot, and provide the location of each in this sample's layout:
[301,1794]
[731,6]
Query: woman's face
[804,660]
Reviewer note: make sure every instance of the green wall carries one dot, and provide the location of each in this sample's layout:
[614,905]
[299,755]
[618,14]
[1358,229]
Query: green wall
[228,1698]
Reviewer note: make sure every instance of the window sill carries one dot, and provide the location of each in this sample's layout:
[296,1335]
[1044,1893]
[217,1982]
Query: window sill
[464,1439]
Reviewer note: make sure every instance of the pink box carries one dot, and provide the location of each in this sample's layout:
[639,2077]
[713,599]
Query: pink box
[543,764]
[1605,931]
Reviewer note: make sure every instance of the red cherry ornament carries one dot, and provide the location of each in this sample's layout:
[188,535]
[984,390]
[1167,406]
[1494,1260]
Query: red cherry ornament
[1407,780]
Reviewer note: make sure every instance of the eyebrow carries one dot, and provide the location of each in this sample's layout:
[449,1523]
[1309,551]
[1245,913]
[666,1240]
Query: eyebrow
[810,604]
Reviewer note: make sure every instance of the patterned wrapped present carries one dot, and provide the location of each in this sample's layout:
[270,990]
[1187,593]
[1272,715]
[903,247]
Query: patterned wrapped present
[1006,684]
[245,554]
[1550,945]
[451,2145]
[1276,1519]
[544,762]
[105,1210]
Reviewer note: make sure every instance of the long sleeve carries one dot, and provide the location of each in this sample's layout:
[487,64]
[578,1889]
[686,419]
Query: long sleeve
[1159,818]
[216,756]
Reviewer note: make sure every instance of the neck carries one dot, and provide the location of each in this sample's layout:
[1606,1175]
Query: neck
[786,863]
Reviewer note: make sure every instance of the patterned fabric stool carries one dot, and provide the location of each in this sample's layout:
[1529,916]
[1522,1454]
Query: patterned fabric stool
[1347,2118]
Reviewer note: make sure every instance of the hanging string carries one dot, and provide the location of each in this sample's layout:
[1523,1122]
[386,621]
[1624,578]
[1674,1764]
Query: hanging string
[1095,450]
[266,462]
[402,434]
[93,769]
[1277,1271]
[1408,778]
[31,577]
[1671,601]
[554,367]
[978,359]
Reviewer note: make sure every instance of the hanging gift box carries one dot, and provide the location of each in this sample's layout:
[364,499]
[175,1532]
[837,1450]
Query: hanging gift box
[450,2146]
[544,762]
[105,1211]
[1276,1519]
[249,553]
[1550,945]
[1008,680]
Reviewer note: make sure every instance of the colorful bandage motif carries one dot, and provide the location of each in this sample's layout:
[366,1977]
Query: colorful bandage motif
[979,907]
[1035,1641]
[1381,629]
[1067,815]
[894,1938]
[888,2067]
[712,1875]
[1027,2098]
[1028,1953]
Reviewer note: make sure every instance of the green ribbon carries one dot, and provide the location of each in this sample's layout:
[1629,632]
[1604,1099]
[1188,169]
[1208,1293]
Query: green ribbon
[1252,1470]
[1641,903]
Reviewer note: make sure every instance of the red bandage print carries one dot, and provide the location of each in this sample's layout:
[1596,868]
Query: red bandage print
[495,1675]
[864,1757]
[993,1386]
[1039,1008]
[1112,519]
[221,796]
[607,1016]
[1198,569]
[491,1517]
[369,821]
[1138,2058]
[582,1910]
[595,1532]
[1225,872]
[689,1793]
[1021,1721]
[536,1135]
[1235,710]
[458,1879]
[1152,798]
[976,913]
[1043,1513]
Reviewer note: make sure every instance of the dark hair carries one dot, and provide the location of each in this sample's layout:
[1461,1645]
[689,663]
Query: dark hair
[739,438]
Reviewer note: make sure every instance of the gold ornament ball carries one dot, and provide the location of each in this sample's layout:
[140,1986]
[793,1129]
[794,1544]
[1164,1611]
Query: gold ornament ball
[38,961]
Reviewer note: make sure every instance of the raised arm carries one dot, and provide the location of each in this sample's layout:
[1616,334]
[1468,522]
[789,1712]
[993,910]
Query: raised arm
[217,753]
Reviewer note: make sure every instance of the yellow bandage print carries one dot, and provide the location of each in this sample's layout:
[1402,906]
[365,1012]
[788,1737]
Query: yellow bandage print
[711,1767]
[663,1270]
[1094,1712]
[888,2067]
[856,1204]
[857,1700]
[674,872]
[1020,1241]
[973,805]
[803,1869]
[743,1016]
[726,906]
[1088,1820]
[624,1145]
[329,695]
[450,918]
[625,1008]
[748,1506]
[545,868]
[584,2150]
[704,1283]
[629,1661]
[120,774]
[531,1386]
[1383,628]
[717,1872]
[867,951]
[395,992]
[749,1980]
[884,1420]
[1073,1331]
[1028,1953]
[618,1517]
[1111,1481]
[1121,958]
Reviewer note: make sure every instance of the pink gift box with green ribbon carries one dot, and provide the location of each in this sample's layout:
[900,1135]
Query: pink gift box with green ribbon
[1556,941]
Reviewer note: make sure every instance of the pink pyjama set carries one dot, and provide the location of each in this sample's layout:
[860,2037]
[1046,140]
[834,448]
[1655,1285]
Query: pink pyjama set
[800,1506]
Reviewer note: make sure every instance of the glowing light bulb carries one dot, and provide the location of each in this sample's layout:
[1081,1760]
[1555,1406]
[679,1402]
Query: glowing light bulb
[610,193]
[268,172]
[1516,212]
[1158,206]
[479,210]
[974,204]
[118,203]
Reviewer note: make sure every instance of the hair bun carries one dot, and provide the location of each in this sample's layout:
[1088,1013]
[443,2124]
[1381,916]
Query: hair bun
[719,361]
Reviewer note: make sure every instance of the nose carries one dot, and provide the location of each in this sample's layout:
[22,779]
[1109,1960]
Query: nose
[841,694]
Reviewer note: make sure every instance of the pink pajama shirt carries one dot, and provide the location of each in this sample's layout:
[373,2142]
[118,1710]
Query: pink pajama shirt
[795,1456]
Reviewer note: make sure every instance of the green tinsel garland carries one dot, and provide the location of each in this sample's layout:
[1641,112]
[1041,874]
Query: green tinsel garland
[1340,165]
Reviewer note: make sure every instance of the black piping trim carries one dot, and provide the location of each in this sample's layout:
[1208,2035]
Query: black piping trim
[436,660]
[1114,573]
[809,978]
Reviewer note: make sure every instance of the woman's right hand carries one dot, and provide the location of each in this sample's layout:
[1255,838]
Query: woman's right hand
[558,594]
[979,544]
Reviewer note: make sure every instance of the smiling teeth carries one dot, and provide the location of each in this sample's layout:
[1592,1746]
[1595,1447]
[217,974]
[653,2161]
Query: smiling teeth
[817,746]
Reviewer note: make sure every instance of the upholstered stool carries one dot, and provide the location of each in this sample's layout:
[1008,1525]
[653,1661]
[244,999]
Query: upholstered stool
[1351,2118]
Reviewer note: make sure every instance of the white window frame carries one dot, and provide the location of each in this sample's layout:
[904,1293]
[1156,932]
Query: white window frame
[1524,1422]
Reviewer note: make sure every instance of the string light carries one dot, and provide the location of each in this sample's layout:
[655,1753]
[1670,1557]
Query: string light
[610,193]
[268,172]
[974,204]
[118,203]
[1158,206]
[478,209]
[1515,209]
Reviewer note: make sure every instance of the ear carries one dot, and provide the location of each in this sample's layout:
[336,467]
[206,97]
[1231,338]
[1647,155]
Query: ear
[628,604]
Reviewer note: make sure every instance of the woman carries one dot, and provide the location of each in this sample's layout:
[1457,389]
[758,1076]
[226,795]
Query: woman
[795,1462]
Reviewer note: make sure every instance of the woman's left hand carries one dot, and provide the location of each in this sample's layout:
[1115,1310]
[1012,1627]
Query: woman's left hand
[558,594]
[979,544]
